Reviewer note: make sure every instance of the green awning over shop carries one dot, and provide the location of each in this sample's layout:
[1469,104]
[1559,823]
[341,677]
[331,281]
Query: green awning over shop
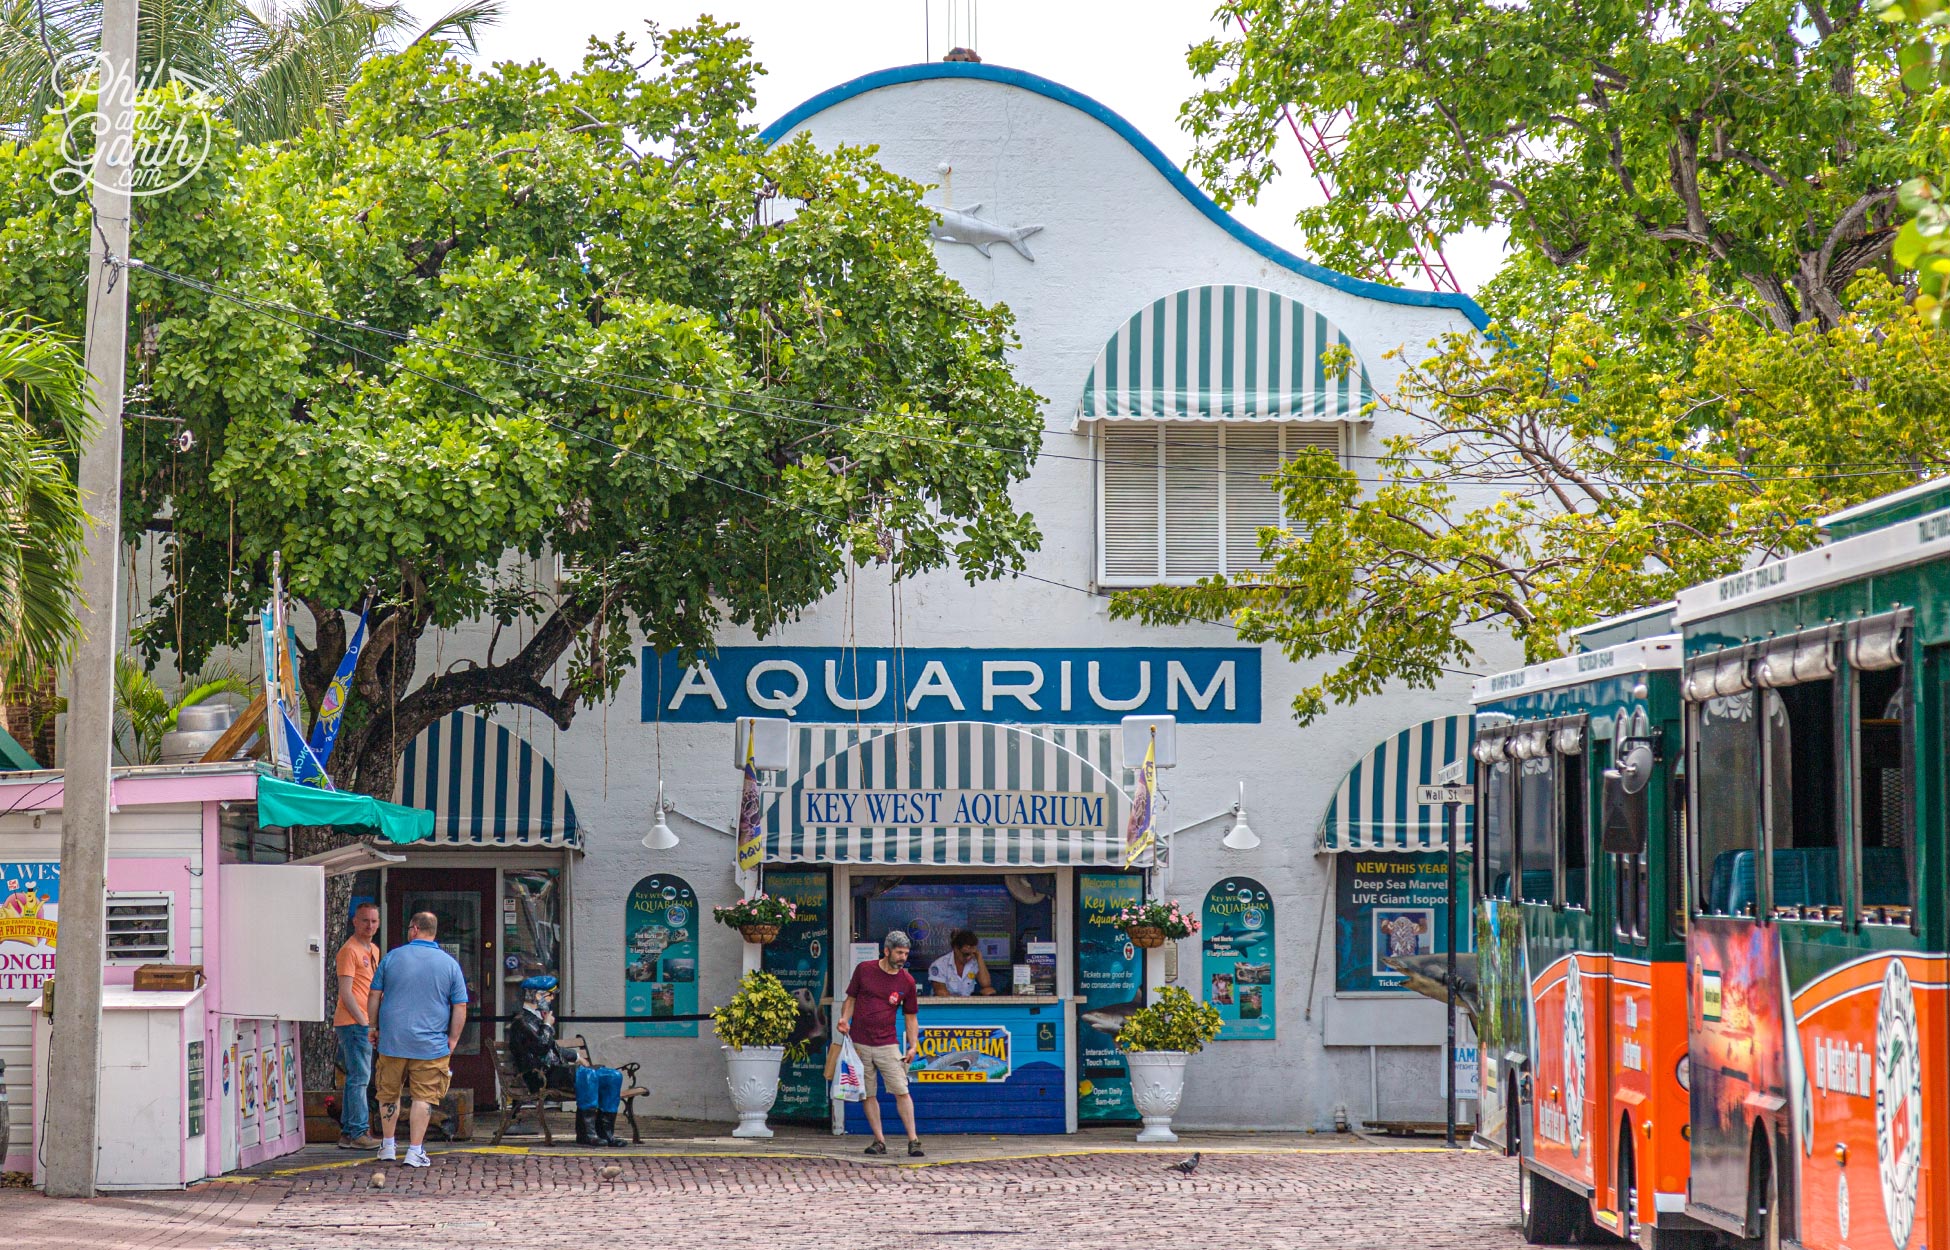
[285,803]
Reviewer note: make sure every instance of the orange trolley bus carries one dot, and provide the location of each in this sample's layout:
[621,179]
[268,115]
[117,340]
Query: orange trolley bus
[1580,935]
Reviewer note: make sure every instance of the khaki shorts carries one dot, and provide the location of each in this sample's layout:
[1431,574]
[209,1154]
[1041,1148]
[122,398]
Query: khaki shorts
[884,1062]
[426,1080]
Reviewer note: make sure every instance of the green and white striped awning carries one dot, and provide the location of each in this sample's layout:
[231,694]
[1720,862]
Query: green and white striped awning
[485,786]
[952,793]
[1375,807]
[1225,353]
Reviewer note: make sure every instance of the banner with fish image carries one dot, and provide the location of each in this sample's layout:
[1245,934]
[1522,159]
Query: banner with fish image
[660,958]
[960,1054]
[1393,906]
[1110,979]
[1236,938]
[801,958]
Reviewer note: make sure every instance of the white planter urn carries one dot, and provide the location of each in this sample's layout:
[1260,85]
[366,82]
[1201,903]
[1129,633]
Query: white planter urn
[752,1076]
[1157,1085]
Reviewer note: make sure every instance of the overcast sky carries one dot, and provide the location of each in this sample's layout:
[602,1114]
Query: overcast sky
[1128,54]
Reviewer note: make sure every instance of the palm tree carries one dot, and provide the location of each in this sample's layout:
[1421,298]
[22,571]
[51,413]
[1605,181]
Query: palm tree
[43,417]
[275,66]
[144,713]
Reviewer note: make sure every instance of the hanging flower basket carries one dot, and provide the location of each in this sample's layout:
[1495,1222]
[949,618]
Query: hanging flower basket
[1151,924]
[757,918]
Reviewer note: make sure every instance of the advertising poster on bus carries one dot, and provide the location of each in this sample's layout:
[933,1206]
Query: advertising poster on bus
[1110,977]
[30,900]
[1236,943]
[660,958]
[1738,1061]
[800,957]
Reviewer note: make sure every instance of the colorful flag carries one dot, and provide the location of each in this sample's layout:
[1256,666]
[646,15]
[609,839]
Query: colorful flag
[325,729]
[305,768]
[751,830]
[1138,835]
[280,746]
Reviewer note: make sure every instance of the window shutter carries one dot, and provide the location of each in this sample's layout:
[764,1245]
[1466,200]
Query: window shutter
[1130,516]
[1252,454]
[1193,520]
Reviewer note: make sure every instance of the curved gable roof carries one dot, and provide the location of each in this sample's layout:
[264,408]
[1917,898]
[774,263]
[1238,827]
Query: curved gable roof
[1382,292]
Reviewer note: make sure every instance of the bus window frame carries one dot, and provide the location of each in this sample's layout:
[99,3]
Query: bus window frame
[1696,861]
[1486,777]
[1549,760]
[1850,704]
[1563,784]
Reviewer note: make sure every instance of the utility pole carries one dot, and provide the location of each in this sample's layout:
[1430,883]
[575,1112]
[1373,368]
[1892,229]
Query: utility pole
[74,1066]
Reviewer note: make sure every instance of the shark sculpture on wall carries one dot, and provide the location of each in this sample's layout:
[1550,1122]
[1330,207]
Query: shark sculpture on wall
[961,225]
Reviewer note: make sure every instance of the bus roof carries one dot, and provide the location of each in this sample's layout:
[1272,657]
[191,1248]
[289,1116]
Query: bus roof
[1643,655]
[1894,546]
[1884,510]
[1639,623]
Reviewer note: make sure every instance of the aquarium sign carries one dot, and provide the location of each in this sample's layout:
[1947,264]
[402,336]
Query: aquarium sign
[928,685]
[962,1055]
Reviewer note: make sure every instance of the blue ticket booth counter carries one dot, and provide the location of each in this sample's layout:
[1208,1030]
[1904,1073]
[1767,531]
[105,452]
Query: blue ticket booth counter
[987,1065]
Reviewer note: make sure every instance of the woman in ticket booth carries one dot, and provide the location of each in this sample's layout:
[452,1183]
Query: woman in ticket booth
[961,972]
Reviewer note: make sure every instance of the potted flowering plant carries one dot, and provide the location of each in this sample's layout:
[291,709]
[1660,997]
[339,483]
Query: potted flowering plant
[757,918]
[1151,922]
[1156,1041]
[755,1027]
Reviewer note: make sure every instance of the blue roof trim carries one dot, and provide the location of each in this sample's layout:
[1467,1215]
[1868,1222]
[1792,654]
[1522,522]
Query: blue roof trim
[1463,304]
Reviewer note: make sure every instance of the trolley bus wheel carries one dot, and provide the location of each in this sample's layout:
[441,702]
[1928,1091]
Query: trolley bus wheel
[1633,1217]
[1552,1215]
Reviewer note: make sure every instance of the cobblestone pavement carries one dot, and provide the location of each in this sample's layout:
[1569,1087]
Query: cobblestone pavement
[199,1219]
[1346,1199]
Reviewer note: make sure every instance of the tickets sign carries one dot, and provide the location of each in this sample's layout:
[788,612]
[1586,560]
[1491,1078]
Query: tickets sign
[963,1055]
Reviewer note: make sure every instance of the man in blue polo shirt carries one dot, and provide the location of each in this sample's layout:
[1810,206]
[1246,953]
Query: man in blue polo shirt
[418,1007]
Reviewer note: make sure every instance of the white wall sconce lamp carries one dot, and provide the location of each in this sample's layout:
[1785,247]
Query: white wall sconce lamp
[1241,836]
[661,836]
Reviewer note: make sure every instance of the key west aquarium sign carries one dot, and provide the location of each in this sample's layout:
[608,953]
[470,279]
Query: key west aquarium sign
[1011,686]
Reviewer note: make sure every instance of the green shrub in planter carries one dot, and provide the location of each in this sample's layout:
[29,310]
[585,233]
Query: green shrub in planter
[762,1013]
[1177,1021]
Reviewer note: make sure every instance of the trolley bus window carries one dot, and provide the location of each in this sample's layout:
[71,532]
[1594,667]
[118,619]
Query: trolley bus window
[1726,808]
[1498,809]
[1622,833]
[1571,832]
[1882,789]
[1537,830]
[1803,833]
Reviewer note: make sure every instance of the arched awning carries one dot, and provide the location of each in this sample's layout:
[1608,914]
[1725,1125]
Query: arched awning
[951,793]
[1224,353]
[1375,807]
[486,787]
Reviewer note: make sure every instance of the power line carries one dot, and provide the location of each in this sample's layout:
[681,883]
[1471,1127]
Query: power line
[535,365]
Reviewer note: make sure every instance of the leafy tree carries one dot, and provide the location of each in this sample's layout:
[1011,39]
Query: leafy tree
[43,415]
[1573,471]
[275,66]
[144,711]
[1759,144]
[706,374]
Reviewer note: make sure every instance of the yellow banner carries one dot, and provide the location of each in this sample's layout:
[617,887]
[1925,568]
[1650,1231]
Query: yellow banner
[23,930]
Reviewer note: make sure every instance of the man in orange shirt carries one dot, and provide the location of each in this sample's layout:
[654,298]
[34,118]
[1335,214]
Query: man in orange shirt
[358,959]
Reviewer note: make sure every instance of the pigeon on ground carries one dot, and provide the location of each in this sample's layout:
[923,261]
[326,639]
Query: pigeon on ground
[611,1172]
[379,1180]
[1186,1166]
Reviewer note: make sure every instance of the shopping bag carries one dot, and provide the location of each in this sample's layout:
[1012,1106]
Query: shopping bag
[849,1079]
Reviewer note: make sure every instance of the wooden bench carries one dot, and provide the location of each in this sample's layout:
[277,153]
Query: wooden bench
[515,1096]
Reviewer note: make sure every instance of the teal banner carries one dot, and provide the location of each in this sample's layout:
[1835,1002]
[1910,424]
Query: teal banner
[660,958]
[801,958]
[1236,937]
[1110,978]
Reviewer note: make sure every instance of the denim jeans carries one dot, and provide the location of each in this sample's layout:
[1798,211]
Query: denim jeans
[601,1088]
[355,1056]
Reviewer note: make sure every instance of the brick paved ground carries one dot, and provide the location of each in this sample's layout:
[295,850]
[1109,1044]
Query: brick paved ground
[198,1219]
[1343,1199]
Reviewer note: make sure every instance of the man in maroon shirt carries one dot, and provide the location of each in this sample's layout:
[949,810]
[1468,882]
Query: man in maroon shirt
[878,992]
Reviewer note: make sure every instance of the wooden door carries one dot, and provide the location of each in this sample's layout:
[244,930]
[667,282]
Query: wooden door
[463,901]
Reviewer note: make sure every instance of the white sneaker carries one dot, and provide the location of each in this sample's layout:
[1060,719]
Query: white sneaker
[387,1152]
[417,1158]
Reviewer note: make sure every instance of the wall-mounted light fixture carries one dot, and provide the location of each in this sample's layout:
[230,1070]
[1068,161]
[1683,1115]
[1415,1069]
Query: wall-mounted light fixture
[1241,836]
[661,836]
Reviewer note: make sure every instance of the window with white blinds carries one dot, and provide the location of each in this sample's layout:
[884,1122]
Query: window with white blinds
[1178,502]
